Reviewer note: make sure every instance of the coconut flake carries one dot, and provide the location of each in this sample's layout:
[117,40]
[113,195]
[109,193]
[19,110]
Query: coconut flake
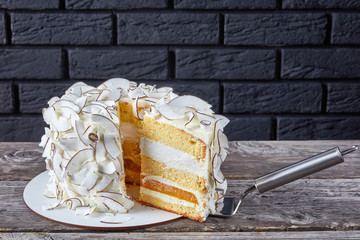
[112,204]
[76,161]
[107,167]
[190,101]
[90,180]
[100,152]
[104,183]
[106,123]
[112,148]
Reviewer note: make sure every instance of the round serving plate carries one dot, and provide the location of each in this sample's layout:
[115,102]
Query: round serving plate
[139,216]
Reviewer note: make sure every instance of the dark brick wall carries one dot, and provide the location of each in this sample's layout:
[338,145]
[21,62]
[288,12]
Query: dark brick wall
[279,69]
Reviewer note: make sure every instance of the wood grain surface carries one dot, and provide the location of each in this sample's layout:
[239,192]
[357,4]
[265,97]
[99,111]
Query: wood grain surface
[246,159]
[324,206]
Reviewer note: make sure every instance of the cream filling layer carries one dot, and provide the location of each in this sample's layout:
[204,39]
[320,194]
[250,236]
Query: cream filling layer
[203,212]
[173,158]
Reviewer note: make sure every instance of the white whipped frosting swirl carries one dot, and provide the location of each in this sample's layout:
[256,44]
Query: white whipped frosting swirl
[83,151]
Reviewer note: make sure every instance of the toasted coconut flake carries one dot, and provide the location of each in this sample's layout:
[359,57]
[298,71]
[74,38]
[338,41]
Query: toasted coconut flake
[205,122]
[190,119]
[93,137]
[106,122]
[104,183]
[90,180]
[107,167]
[80,130]
[190,101]
[112,148]
[73,203]
[76,161]
[100,152]
[112,204]
[49,114]
[115,219]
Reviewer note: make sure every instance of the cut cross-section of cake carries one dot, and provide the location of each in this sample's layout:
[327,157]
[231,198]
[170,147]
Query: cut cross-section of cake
[182,149]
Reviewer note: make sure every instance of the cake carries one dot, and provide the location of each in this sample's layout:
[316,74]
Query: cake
[103,140]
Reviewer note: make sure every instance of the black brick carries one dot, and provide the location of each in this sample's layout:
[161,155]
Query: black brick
[21,129]
[30,63]
[34,97]
[346,28]
[61,28]
[225,4]
[343,97]
[225,64]
[115,4]
[129,63]
[168,28]
[2,29]
[277,28]
[318,128]
[26,4]
[206,90]
[6,98]
[319,4]
[320,63]
[272,97]
[248,128]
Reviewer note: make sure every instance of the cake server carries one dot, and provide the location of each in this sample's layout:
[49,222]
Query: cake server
[280,177]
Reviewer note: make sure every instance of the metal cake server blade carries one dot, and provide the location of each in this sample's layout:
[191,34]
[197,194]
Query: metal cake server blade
[230,205]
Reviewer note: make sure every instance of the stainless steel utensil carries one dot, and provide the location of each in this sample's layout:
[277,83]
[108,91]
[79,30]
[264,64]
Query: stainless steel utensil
[280,177]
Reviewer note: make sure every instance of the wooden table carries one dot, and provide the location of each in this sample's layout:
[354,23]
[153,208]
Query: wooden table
[325,205]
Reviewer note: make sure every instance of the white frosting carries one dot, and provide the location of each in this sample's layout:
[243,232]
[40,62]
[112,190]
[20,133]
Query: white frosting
[86,118]
[172,157]
[83,151]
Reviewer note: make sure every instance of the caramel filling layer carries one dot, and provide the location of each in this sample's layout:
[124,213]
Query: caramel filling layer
[169,190]
[128,164]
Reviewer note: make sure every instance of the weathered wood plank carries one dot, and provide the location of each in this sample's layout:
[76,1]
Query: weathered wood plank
[20,160]
[247,159]
[251,159]
[304,205]
[190,235]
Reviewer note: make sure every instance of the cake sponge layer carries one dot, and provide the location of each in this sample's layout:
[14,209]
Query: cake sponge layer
[184,179]
[171,136]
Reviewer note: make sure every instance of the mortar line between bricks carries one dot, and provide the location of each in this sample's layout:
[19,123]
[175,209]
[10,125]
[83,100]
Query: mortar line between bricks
[8,32]
[65,63]
[62,5]
[221,97]
[16,97]
[170,4]
[324,98]
[7,115]
[171,64]
[221,29]
[187,10]
[296,115]
[328,29]
[273,128]
[277,64]
[114,28]
[179,46]
[181,10]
